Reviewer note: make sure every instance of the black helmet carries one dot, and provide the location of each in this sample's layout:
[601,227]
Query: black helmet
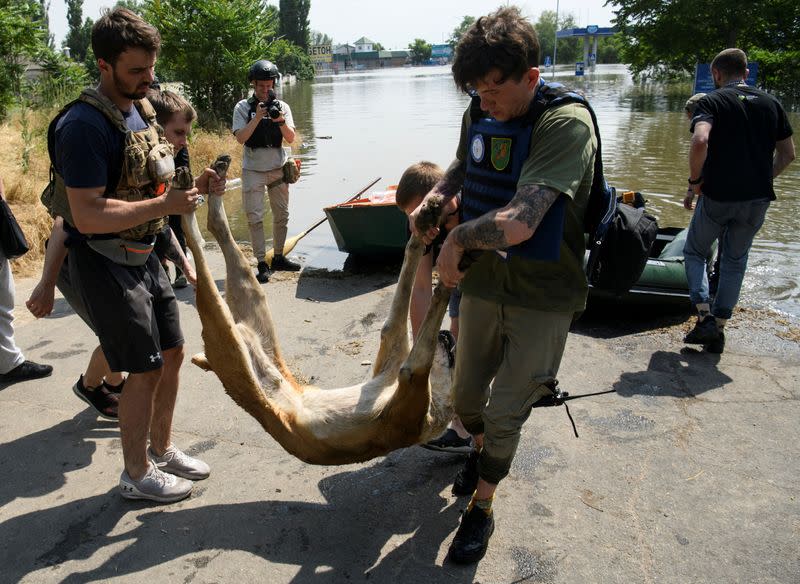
[261,70]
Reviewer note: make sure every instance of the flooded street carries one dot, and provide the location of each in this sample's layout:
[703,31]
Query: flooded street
[361,126]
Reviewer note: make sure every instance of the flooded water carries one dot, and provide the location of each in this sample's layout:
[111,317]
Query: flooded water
[361,126]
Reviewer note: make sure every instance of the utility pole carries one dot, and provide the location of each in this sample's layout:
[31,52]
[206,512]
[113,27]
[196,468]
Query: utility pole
[555,42]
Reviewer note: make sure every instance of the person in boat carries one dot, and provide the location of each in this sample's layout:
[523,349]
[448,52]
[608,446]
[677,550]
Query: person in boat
[524,192]
[114,169]
[741,141]
[416,182]
[175,115]
[261,123]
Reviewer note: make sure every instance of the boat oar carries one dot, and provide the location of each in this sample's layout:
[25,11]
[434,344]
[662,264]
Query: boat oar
[289,244]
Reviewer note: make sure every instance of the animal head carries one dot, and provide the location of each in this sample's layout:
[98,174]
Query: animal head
[444,363]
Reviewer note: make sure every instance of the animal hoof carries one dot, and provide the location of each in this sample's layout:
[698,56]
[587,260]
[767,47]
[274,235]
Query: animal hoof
[201,361]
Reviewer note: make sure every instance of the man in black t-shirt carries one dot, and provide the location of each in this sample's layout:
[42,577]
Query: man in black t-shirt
[741,141]
[116,185]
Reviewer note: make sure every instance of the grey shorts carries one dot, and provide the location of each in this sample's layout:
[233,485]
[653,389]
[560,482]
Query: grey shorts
[131,308]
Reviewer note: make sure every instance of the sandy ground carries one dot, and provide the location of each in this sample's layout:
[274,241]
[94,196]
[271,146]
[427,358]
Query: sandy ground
[687,473]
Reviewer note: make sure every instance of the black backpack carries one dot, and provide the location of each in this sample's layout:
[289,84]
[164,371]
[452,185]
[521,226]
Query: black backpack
[619,235]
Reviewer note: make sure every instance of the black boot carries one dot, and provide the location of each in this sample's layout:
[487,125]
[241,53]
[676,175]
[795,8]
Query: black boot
[467,478]
[472,538]
[263,272]
[718,346]
[280,263]
[703,333]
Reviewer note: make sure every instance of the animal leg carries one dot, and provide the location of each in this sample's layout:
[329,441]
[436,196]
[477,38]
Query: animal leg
[409,405]
[244,295]
[226,350]
[420,360]
[200,360]
[394,332]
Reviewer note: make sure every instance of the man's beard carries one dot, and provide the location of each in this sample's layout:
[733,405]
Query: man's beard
[125,91]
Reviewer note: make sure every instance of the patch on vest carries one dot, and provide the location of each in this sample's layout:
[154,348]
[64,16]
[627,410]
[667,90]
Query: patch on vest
[501,152]
[477,148]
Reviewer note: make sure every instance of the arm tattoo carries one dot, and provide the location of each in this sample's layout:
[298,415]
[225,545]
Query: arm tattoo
[530,204]
[490,231]
[452,181]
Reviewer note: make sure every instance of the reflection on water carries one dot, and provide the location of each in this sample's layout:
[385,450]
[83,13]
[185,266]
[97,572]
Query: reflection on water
[356,127]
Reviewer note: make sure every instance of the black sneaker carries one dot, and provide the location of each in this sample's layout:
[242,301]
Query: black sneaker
[467,478]
[115,389]
[472,538]
[716,347]
[263,272]
[25,371]
[280,263]
[704,332]
[450,441]
[102,401]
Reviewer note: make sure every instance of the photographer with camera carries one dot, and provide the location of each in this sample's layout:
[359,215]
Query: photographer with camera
[261,123]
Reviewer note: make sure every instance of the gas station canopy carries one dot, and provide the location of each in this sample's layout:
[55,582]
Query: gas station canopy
[592,31]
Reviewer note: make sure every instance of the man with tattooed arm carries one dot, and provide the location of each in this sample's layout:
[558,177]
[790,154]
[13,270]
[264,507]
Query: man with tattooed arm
[524,185]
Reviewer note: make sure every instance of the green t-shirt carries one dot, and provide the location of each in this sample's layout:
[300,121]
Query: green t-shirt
[563,146]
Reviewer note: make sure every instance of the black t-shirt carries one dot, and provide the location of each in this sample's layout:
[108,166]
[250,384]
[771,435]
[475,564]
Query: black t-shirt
[182,158]
[88,148]
[745,125]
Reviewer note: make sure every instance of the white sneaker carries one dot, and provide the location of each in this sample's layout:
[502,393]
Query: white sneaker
[179,463]
[155,486]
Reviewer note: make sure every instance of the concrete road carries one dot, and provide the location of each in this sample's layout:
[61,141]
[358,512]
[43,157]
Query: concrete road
[688,473]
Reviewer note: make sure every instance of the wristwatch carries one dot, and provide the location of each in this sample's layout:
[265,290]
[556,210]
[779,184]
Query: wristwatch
[696,181]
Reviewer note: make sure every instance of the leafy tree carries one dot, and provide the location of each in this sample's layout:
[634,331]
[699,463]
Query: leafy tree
[135,6]
[61,82]
[377,47]
[569,50]
[294,25]
[420,51]
[90,64]
[79,36]
[44,16]
[667,39]
[208,45]
[608,49]
[22,34]
[459,31]
[319,38]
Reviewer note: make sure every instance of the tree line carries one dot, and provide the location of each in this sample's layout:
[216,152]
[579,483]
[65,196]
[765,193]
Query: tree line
[662,40]
[207,45]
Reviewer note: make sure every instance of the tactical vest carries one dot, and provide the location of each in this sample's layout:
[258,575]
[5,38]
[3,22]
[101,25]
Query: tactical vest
[267,134]
[138,180]
[496,152]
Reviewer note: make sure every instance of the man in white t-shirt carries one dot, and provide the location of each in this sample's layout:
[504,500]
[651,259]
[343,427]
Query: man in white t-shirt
[261,123]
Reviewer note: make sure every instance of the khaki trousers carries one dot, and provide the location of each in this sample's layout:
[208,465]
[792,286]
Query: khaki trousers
[254,184]
[521,349]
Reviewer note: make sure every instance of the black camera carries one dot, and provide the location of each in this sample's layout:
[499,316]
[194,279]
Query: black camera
[274,109]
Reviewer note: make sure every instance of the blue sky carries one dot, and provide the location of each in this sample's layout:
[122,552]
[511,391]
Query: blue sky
[393,24]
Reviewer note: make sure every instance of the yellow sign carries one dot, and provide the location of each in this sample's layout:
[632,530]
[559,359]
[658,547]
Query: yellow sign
[320,53]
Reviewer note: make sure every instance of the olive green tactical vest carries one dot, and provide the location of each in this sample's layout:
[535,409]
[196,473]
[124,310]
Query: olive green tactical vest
[135,183]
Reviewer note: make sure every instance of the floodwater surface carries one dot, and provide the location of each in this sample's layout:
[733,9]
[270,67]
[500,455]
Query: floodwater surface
[360,126]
